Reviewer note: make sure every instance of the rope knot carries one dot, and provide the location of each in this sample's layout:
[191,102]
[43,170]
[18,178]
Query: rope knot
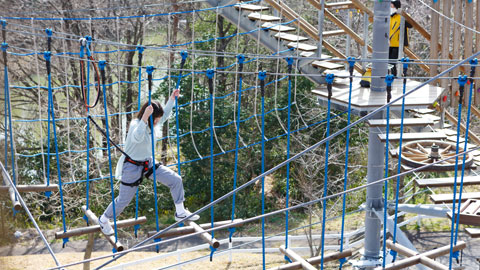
[329,78]
[150,70]
[262,75]
[405,61]
[140,49]
[102,64]
[462,80]
[351,64]
[184,55]
[389,80]
[4,46]
[47,55]
[49,32]
[3,23]
[241,58]
[289,60]
[210,72]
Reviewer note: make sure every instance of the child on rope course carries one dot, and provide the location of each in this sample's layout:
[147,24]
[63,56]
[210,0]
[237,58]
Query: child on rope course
[139,163]
[395,19]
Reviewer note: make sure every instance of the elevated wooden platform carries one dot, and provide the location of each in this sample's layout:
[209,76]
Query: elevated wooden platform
[365,100]
[448,198]
[447,181]
[407,122]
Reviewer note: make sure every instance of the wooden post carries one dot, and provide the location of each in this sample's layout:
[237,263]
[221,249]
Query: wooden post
[88,251]
[205,236]
[96,228]
[13,198]
[297,258]
[477,38]
[31,188]
[447,6]
[435,37]
[94,220]
[315,260]
[189,229]
[468,39]
[457,37]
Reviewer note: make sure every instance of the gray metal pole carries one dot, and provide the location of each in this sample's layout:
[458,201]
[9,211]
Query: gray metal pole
[381,27]
[321,18]
[365,37]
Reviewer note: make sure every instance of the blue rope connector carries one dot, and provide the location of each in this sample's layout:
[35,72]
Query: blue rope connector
[136,227]
[48,194]
[150,70]
[140,49]
[232,231]
[474,62]
[3,23]
[289,60]
[405,62]
[329,78]
[210,72]
[114,250]
[456,254]
[262,75]
[241,58]
[65,241]
[351,61]
[102,64]
[212,250]
[181,224]
[85,218]
[287,259]
[389,79]
[156,240]
[184,55]
[342,261]
[4,46]
[462,80]
[47,55]
[394,254]
[49,32]
[88,38]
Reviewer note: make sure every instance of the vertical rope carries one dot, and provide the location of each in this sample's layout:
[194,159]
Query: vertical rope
[47,55]
[150,70]
[329,79]
[241,60]
[140,50]
[289,122]
[261,77]
[192,92]
[184,55]
[389,80]
[351,64]
[210,74]
[102,65]
[462,80]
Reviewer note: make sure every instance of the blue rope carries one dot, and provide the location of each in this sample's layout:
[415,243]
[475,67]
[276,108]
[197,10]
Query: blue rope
[351,64]
[399,164]
[102,65]
[389,80]
[289,122]
[140,50]
[184,55]
[261,77]
[329,79]
[241,60]
[210,75]
[51,113]
[462,80]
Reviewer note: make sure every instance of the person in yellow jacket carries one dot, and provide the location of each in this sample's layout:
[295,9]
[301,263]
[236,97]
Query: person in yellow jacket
[395,19]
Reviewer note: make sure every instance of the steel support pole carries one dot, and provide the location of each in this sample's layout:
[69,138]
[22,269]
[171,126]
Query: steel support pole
[381,27]
[321,18]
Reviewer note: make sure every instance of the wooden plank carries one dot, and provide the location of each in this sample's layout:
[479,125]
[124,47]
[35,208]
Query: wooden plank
[32,188]
[471,135]
[16,204]
[277,27]
[423,111]
[262,17]
[395,137]
[447,181]
[340,5]
[448,198]
[435,26]
[473,232]
[188,229]
[290,37]
[205,236]
[92,218]
[314,54]
[302,46]
[250,7]
[315,260]
[96,228]
[296,258]
[326,65]
[408,122]
[333,33]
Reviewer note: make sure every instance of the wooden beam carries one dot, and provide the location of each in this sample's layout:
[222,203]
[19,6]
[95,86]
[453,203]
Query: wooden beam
[297,258]
[435,26]
[471,135]
[457,31]
[96,228]
[205,236]
[333,33]
[32,188]
[432,254]
[475,110]
[447,181]
[92,218]
[315,260]
[189,229]
[473,232]
[446,9]
[340,5]
[16,204]
[408,122]
[394,137]
[262,17]
[448,198]
[363,8]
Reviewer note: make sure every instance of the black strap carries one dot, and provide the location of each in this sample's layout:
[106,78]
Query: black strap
[146,173]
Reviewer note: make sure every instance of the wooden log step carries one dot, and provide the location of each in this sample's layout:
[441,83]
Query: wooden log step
[32,188]
[395,137]
[96,228]
[251,7]
[447,181]
[277,27]
[205,236]
[290,37]
[315,260]
[188,229]
[296,258]
[302,46]
[314,54]
[473,232]
[255,16]
[408,122]
[448,198]
[333,33]
[340,5]
[326,65]
[93,219]
[16,204]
